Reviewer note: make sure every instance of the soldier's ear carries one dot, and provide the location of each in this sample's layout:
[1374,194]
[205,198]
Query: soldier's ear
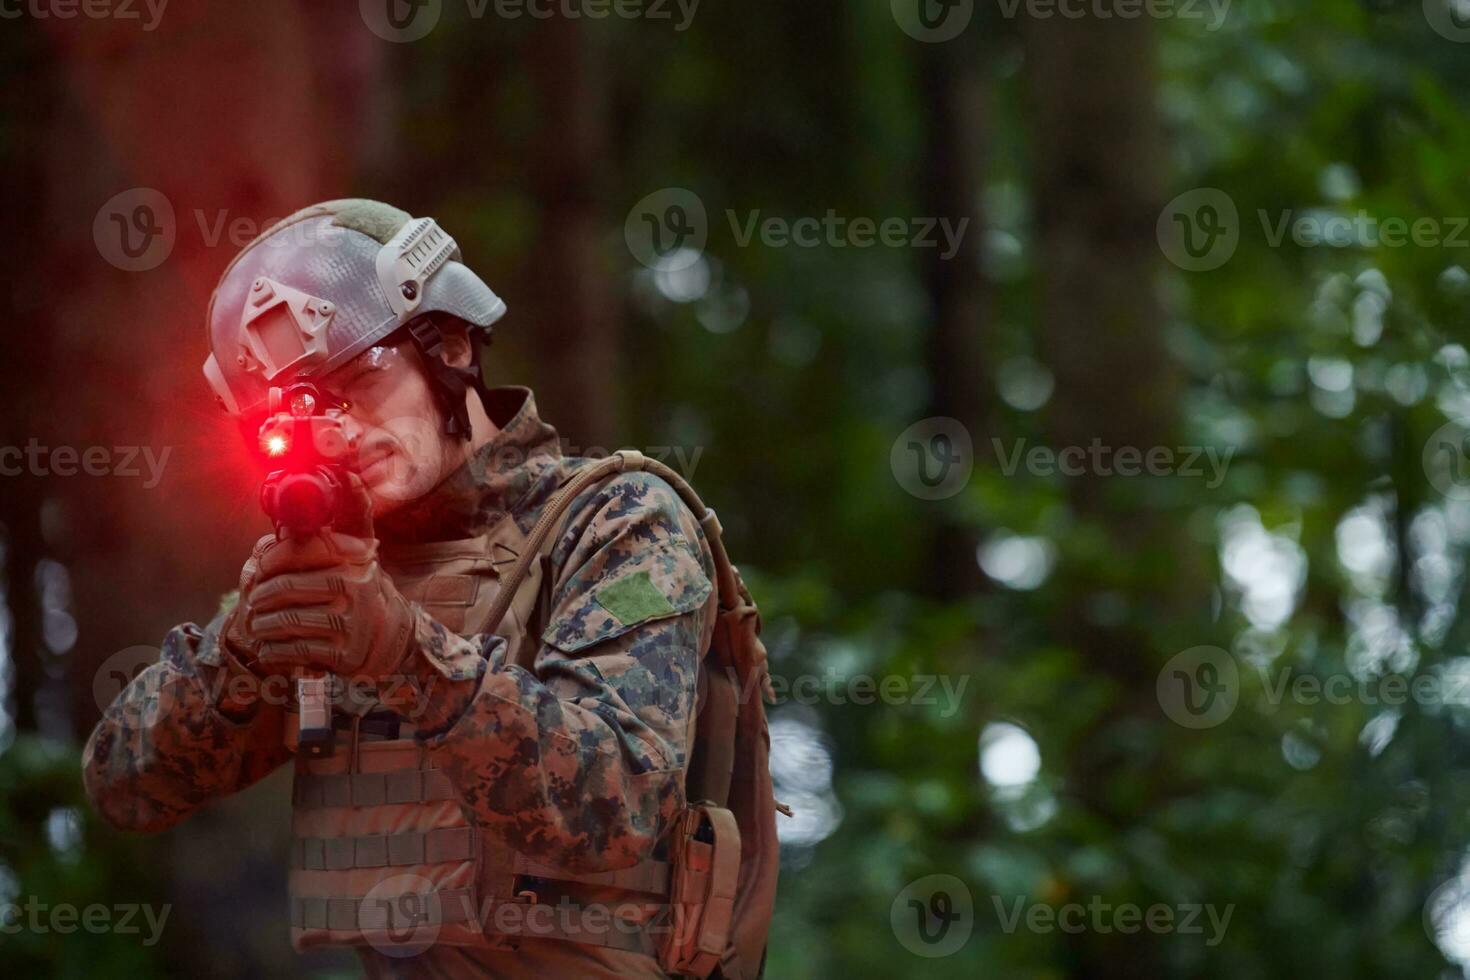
[456,351]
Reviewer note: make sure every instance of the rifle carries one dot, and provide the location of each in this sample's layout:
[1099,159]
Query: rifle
[309,492]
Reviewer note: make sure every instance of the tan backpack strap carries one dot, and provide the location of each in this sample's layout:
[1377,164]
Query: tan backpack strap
[531,551]
[623,461]
[731,589]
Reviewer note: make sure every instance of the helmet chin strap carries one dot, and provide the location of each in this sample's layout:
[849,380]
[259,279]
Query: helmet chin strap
[448,384]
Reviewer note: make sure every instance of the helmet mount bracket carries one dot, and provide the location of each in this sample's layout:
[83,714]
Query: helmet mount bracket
[283,328]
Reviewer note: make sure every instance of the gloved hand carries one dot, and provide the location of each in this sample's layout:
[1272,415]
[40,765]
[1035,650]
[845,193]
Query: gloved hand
[242,687]
[233,633]
[323,603]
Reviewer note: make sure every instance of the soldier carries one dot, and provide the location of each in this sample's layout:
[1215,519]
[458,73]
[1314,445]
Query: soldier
[501,794]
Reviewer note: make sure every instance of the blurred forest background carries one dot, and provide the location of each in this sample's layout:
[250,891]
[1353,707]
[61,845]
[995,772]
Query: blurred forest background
[1077,307]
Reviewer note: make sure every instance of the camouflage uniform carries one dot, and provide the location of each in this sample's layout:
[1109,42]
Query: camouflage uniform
[580,764]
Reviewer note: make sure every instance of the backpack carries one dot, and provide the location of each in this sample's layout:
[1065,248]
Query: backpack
[723,848]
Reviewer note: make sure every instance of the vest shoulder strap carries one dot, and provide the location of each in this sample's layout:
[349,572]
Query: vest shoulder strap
[540,541]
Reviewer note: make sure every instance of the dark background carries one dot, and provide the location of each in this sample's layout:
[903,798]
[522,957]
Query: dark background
[1087,303]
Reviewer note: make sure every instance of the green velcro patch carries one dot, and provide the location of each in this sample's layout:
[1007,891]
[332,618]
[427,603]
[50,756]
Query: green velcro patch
[633,599]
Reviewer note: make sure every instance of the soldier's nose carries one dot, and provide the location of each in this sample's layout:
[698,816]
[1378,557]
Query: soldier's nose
[352,429]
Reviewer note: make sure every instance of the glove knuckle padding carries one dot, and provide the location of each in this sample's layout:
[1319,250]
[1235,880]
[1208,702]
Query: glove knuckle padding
[344,614]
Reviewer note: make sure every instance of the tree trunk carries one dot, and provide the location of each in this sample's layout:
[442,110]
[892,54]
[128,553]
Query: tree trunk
[574,322]
[148,110]
[1096,153]
[27,357]
[956,100]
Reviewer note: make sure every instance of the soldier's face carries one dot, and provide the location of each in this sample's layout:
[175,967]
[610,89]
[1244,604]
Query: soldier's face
[402,450]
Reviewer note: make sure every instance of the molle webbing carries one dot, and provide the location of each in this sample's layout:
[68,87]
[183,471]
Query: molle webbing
[441,845]
[358,830]
[445,907]
[577,924]
[384,850]
[646,876]
[314,791]
[457,905]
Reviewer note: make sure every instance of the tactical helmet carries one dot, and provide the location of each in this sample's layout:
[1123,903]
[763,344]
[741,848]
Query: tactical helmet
[321,286]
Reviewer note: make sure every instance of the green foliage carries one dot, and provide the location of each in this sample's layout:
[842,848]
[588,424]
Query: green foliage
[1325,843]
[1320,369]
[57,856]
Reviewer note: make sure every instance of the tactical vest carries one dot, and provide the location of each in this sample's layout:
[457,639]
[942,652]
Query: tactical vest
[383,855]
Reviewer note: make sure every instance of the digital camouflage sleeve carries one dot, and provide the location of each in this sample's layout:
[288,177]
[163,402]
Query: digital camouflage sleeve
[168,742]
[579,765]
